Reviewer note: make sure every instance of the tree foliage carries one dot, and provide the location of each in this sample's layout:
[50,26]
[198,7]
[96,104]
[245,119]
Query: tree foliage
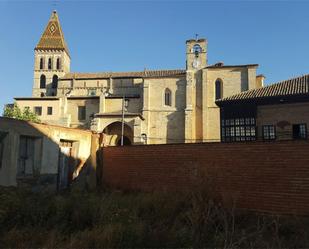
[15,112]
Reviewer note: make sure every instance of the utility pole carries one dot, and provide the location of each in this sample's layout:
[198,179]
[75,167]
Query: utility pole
[122,123]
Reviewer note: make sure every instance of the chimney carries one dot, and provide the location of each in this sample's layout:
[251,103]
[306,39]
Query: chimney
[260,81]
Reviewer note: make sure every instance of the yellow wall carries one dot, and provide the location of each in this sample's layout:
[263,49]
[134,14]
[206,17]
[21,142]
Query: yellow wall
[44,103]
[49,138]
[165,123]
[235,80]
[297,113]
[92,107]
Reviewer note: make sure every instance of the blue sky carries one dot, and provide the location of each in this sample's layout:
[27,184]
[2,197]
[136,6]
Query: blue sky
[133,35]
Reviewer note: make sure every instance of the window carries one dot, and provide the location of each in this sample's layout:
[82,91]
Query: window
[238,129]
[2,139]
[41,63]
[38,110]
[168,97]
[55,81]
[299,131]
[49,110]
[81,112]
[269,132]
[218,89]
[66,143]
[58,63]
[42,81]
[49,63]
[92,92]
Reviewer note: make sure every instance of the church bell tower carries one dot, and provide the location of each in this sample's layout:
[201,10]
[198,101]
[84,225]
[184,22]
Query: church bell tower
[196,54]
[196,51]
[51,59]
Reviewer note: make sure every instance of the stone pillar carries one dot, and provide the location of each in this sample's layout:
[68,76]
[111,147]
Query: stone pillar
[205,98]
[146,113]
[102,103]
[189,108]
[137,138]
[65,118]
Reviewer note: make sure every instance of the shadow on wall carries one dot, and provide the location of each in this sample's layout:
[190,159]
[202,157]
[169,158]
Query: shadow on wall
[40,156]
[244,80]
[175,130]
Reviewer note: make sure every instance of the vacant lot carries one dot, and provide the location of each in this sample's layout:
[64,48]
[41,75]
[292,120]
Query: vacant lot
[114,219]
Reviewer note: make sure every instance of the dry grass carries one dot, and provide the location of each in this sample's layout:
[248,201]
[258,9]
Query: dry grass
[139,220]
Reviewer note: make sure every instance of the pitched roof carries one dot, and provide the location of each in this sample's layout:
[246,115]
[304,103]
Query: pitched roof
[294,86]
[52,37]
[221,65]
[142,74]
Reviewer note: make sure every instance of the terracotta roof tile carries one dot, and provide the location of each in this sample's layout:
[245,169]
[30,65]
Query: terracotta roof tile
[294,86]
[142,74]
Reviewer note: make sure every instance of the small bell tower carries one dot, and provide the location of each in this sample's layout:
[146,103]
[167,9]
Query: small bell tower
[196,50]
[51,59]
[196,54]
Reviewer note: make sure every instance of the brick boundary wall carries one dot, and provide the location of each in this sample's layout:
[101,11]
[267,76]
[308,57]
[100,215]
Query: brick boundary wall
[263,176]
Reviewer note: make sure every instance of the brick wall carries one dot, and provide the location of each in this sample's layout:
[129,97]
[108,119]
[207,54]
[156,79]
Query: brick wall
[270,177]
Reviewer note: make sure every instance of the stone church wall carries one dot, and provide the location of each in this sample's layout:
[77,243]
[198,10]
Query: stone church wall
[92,107]
[44,103]
[166,124]
[235,80]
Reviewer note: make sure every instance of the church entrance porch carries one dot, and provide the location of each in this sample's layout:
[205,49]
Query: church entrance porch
[113,132]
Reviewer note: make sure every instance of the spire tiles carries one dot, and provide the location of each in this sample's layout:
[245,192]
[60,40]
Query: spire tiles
[53,37]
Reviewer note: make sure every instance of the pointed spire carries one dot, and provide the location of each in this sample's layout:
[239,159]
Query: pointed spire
[53,38]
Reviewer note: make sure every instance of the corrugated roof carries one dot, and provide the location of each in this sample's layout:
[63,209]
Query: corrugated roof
[53,37]
[142,74]
[294,86]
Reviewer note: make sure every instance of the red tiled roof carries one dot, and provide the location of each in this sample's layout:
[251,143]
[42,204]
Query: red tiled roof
[294,86]
[142,74]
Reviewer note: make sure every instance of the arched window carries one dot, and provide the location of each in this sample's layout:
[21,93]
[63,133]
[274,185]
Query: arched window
[41,63]
[55,81]
[58,63]
[43,81]
[168,97]
[218,89]
[49,63]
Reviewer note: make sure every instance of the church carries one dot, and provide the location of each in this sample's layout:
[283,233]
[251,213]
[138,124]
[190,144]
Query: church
[145,107]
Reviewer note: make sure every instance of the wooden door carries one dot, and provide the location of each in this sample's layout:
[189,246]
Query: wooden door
[26,156]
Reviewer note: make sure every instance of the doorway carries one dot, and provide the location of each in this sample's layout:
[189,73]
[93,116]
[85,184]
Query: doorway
[67,162]
[126,141]
[113,132]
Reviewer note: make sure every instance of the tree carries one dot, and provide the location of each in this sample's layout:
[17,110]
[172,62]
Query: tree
[13,111]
